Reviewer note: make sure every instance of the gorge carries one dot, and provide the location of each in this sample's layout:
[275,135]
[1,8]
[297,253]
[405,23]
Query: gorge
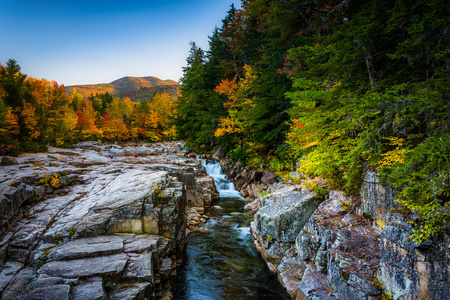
[112,225]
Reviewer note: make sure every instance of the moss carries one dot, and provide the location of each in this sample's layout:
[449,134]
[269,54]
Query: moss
[345,205]
[368,216]
[71,231]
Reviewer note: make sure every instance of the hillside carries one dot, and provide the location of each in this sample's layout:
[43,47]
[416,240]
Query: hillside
[137,88]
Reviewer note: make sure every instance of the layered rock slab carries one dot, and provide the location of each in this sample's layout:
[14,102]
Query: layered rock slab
[106,266]
[141,198]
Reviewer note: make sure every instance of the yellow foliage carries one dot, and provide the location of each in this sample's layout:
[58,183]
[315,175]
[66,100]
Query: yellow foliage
[227,126]
[394,156]
[55,180]
[30,119]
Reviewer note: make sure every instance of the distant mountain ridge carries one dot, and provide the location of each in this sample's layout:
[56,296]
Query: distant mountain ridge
[137,88]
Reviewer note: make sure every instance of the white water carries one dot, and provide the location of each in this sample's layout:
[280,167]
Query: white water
[224,186]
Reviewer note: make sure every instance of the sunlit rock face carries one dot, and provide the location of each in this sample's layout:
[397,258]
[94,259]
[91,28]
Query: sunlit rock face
[110,229]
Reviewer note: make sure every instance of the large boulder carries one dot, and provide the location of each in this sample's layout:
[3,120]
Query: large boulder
[282,217]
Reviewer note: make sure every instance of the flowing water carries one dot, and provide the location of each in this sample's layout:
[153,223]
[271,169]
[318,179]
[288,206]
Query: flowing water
[224,264]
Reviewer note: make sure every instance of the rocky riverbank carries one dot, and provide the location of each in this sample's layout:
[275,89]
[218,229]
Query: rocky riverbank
[78,224]
[340,247]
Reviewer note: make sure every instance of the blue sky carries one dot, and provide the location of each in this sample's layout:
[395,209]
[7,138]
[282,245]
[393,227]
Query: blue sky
[97,41]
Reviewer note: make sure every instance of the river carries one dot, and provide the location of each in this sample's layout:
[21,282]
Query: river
[224,264]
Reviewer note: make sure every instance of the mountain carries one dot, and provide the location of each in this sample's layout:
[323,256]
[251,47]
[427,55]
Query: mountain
[136,88]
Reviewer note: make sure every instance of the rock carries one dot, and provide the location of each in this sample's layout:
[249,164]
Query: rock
[111,265]
[18,285]
[252,206]
[315,286]
[133,291]
[44,281]
[27,235]
[8,273]
[353,263]
[201,229]
[376,198]
[219,154]
[140,266]
[122,219]
[142,244]
[88,247]
[269,178]
[410,272]
[54,292]
[91,289]
[284,216]
[290,275]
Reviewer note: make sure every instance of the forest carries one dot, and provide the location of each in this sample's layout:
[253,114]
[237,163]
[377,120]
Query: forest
[333,88]
[35,113]
[340,86]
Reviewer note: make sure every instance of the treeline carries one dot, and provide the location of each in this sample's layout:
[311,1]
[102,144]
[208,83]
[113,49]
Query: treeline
[148,92]
[35,113]
[340,86]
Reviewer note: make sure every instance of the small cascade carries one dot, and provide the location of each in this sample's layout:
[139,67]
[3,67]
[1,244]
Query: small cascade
[224,186]
[224,263]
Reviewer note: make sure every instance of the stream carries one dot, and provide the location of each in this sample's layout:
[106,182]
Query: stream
[225,264]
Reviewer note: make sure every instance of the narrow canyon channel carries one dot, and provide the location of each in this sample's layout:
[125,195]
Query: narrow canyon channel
[224,263]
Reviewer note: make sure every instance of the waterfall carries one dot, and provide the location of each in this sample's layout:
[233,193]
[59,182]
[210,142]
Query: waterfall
[224,186]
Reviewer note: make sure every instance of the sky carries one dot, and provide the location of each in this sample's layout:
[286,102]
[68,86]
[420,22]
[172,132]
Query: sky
[99,41]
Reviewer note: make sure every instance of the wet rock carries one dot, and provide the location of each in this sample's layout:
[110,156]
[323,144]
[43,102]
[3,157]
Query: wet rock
[201,229]
[252,206]
[111,265]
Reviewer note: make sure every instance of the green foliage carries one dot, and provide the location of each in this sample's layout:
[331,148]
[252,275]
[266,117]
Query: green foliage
[268,238]
[71,231]
[368,216]
[199,107]
[345,205]
[158,195]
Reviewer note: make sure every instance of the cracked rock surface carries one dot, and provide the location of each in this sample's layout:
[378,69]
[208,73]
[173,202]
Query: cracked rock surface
[76,224]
